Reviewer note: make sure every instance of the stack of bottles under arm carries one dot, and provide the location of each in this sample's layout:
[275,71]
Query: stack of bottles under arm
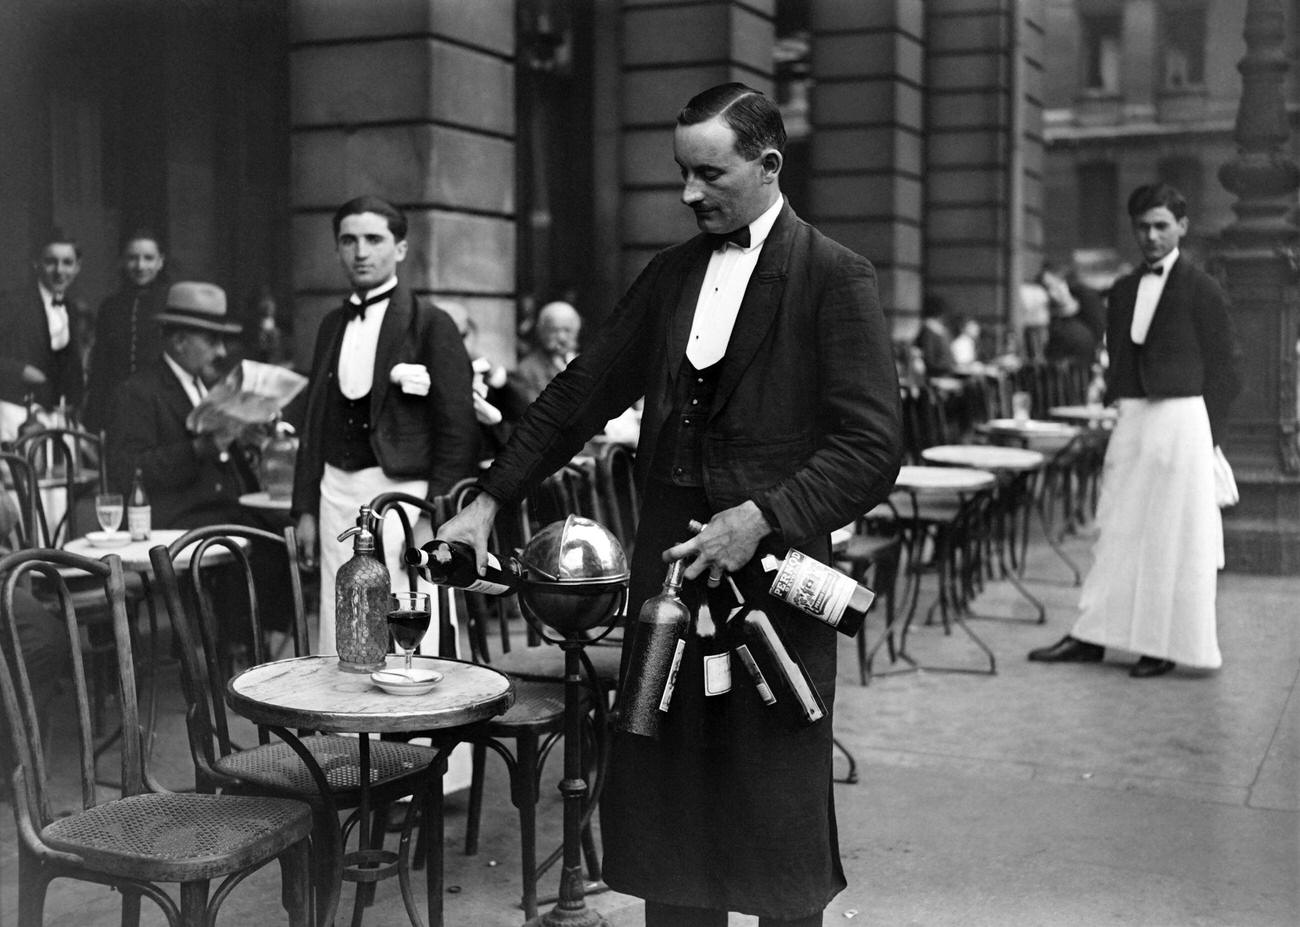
[659,635]
[756,642]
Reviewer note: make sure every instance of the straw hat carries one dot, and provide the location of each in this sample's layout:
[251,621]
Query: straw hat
[198,305]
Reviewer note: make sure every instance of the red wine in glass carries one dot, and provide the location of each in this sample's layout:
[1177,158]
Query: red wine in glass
[408,622]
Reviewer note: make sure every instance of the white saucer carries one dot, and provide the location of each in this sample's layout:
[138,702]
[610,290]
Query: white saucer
[397,682]
[108,538]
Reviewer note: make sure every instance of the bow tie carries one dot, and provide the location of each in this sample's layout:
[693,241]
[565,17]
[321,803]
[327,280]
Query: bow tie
[739,237]
[1157,269]
[357,303]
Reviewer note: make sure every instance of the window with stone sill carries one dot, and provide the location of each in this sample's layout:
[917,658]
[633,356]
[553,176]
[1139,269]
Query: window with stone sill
[1182,28]
[1101,32]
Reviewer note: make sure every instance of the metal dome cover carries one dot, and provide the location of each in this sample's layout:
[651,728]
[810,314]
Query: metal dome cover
[574,552]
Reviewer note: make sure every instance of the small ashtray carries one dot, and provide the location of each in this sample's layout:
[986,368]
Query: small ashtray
[400,682]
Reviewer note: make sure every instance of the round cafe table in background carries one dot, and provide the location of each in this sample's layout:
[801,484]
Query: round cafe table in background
[265,501]
[1034,434]
[1103,416]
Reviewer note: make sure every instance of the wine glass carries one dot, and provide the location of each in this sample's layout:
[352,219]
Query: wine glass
[108,509]
[408,621]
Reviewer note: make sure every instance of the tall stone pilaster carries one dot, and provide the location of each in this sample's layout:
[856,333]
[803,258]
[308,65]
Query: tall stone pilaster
[867,149]
[412,100]
[1260,257]
[671,51]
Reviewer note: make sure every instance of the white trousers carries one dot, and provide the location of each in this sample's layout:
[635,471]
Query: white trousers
[1152,586]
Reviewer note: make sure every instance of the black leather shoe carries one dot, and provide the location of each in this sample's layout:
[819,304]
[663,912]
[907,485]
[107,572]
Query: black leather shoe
[1146,667]
[1068,650]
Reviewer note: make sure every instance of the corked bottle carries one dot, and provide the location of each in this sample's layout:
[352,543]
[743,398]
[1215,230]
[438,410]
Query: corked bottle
[656,654]
[361,591]
[817,590]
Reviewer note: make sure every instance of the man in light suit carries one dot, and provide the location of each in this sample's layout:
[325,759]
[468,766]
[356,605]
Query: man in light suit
[558,327]
[1173,371]
[39,355]
[192,479]
[772,416]
[390,405]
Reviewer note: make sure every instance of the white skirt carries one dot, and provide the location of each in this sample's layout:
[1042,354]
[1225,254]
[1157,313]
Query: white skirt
[1151,588]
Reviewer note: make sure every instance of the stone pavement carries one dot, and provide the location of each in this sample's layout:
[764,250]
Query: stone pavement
[1042,796]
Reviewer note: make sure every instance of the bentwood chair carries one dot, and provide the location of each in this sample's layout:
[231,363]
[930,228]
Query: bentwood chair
[147,836]
[204,628]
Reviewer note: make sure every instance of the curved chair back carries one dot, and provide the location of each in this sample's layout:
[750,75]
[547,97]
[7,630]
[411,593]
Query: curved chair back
[205,629]
[33,788]
[616,486]
[20,479]
[67,458]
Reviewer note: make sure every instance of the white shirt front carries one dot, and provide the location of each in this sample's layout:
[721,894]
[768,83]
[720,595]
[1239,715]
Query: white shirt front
[1150,288]
[360,340]
[192,385]
[724,286]
[56,316]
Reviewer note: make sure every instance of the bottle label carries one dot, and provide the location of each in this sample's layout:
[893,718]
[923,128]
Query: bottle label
[671,684]
[813,588]
[139,521]
[717,673]
[486,586]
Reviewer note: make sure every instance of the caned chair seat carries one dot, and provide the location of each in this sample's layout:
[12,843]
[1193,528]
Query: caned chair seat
[277,767]
[544,664]
[180,837]
[537,705]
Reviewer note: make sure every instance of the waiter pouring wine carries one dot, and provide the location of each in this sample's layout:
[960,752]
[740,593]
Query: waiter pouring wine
[771,417]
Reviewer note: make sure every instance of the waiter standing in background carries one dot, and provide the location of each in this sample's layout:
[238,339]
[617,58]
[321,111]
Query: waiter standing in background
[772,416]
[390,405]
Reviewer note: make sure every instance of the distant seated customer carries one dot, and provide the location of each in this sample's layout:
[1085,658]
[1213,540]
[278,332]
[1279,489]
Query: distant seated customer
[558,327]
[934,339]
[192,479]
[1072,333]
[966,343]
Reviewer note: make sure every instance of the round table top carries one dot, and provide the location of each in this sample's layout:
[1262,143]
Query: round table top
[264,500]
[1039,434]
[318,694]
[135,554]
[944,479]
[1085,413]
[984,456]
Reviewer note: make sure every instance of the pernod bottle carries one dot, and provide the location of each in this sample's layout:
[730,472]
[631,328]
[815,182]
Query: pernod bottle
[818,590]
[139,514]
[452,563]
[656,655]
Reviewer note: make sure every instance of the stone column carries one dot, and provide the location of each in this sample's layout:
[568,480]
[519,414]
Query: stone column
[1262,264]
[984,152]
[867,149]
[671,51]
[412,100]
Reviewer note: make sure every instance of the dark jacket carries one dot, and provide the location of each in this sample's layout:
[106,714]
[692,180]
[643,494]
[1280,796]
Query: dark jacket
[148,431]
[432,437]
[26,340]
[1189,349]
[805,420]
[127,339]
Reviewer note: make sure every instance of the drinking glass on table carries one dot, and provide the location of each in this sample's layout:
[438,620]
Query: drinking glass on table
[108,509]
[408,621]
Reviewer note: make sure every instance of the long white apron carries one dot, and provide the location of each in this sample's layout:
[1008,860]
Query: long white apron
[1152,585]
[342,493]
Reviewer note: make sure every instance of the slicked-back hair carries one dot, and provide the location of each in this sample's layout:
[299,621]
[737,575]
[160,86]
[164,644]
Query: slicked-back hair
[143,233]
[380,207]
[1154,195]
[754,118]
[56,236]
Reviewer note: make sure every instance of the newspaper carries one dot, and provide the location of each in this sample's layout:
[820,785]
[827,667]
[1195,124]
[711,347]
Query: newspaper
[249,398]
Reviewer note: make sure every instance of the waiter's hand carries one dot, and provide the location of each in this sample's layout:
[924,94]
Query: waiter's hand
[473,525]
[412,378]
[725,544]
[307,541]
